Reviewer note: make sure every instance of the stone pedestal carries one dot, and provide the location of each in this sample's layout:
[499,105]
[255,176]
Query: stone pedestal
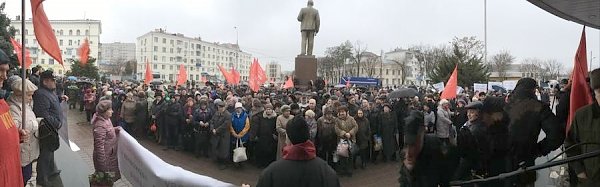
[305,70]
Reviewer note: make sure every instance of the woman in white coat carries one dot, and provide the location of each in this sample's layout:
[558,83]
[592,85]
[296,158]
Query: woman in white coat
[30,149]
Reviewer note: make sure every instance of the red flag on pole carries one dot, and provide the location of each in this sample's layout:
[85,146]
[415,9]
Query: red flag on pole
[257,76]
[580,90]
[235,76]
[226,74]
[43,31]
[450,89]
[182,77]
[289,83]
[84,52]
[18,50]
[149,76]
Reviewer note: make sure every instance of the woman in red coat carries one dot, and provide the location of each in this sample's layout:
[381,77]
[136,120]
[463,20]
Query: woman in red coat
[105,139]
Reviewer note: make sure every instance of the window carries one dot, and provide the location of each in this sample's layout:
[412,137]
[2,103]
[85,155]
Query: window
[60,32]
[164,49]
[70,42]
[70,32]
[164,58]
[87,32]
[171,50]
[164,40]
[26,40]
[163,66]
[179,42]
[69,51]
[155,48]
[171,42]
[170,67]
[51,61]
[170,59]
[155,66]
[26,32]
[387,72]
[155,58]
[178,50]
[78,32]
[191,77]
[155,39]
[197,77]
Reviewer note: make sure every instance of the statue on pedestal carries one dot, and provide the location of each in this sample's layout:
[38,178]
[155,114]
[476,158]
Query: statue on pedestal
[310,22]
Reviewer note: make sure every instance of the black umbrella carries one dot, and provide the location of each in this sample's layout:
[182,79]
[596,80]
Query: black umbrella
[80,83]
[402,93]
[499,89]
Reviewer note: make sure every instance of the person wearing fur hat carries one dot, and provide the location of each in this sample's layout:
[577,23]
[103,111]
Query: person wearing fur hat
[265,136]
[326,138]
[299,165]
[105,139]
[202,116]
[30,148]
[528,116]
[282,121]
[584,128]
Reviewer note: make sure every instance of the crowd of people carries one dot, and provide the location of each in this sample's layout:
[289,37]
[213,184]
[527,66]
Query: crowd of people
[333,131]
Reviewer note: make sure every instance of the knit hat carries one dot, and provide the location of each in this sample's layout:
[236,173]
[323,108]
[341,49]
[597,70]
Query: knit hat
[103,106]
[595,79]
[239,105]
[16,86]
[294,106]
[284,108]
[297,130]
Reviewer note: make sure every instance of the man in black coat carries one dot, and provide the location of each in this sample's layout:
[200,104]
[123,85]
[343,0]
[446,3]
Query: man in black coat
[527,117]
[46,104]
[173,121]
[300,166]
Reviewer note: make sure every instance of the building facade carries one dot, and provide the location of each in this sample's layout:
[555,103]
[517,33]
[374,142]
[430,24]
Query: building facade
[70,34]
[273,72]
[117,51]
[165,52]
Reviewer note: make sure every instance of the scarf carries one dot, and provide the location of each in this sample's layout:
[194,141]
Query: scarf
[302,151]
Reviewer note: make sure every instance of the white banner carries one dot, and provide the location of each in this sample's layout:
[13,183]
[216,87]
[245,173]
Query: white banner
[459,90]
[478,87]
[490,84]
[439,86]
[509,85]
[142,168]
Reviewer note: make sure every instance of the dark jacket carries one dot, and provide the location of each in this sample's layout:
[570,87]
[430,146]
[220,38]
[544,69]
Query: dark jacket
[298,173]
[527,117]
[585,129]
[221,122]
[46,105]
[363,135]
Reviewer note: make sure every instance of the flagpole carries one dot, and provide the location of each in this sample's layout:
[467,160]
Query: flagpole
[23,62]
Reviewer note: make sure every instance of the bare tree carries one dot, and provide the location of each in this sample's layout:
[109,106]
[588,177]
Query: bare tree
[359,51]
[369,64]
[428,57]
[500,63]
[552,68]
[532,67]
[403,67]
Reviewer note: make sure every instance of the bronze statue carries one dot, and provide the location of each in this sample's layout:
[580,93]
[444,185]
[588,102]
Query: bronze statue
[310,22]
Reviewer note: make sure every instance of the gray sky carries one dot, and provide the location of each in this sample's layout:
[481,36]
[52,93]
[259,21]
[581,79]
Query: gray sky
[269,31]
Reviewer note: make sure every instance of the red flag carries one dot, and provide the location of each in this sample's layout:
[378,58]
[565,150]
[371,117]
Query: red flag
[235,76]
[257,76]
[226,74]
[289,83]
[450,89]
[19,50]
[43,31]
[580,90]
[84,52]
[149,76]
[182,77]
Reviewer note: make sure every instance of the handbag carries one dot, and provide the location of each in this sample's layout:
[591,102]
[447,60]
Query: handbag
[48,136]
[239,153]
[343,149]
[378,143]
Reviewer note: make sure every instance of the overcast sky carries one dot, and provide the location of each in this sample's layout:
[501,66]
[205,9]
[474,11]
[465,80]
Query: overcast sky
[269,31]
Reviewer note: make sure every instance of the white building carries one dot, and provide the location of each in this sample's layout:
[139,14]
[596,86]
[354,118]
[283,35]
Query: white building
[117,51]
[397,61]
[166,51]
[273,72]
[70,34]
